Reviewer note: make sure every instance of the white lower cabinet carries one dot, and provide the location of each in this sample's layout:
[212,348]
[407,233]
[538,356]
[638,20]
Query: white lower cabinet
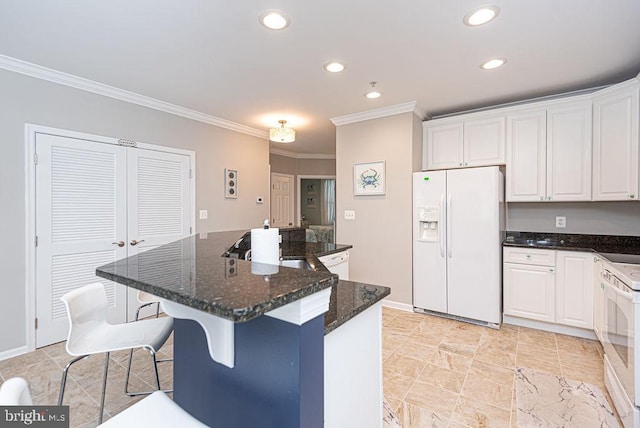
[574,289]
[529,292]
[550,286]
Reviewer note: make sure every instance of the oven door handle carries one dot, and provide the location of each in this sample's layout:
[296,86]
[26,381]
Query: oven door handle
[619,291]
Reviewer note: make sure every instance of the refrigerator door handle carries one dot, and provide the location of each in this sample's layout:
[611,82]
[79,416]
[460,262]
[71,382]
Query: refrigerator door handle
[448,225]
[441,226]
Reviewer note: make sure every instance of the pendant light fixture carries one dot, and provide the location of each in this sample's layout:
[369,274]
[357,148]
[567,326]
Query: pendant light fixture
[282,134]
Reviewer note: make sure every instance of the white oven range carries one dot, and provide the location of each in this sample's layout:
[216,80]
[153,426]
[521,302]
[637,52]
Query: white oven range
[620,280]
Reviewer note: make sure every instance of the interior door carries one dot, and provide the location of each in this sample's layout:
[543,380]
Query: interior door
[281,200]
[81,219]
[159,206]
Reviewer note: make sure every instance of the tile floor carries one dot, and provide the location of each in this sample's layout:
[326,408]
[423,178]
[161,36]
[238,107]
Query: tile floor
[444,373]
[43,370]
[437,372]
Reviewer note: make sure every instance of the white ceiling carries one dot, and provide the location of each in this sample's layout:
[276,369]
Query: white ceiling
[214,56]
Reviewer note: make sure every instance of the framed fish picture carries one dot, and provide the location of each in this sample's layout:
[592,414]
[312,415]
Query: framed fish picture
[369,178]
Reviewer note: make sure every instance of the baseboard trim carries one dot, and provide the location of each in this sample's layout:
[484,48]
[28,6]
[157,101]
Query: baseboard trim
[397,305]
[10,353]
[553,328]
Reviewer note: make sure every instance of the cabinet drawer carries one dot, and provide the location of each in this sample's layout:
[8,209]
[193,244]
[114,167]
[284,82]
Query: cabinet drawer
[529,256]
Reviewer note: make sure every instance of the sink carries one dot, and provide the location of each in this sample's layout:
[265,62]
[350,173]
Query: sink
[297,264]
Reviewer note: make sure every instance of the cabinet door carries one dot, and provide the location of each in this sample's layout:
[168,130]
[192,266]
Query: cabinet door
[598,299]
[526,154]
[569,152]
[444,146]
[615,145]
[484,142]
[529,292]
[574,289]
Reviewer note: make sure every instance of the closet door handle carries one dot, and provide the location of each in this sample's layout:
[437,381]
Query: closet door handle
[118,243]
[134,242]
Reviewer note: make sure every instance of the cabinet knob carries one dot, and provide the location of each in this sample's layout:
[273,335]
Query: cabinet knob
[528,256]
[632,196]
[465,164]
[548,198]
[551,270]
[542,198]
[460,164]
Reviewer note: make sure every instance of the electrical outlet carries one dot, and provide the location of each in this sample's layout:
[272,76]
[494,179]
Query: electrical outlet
[561,222]
[349,215]
[204,214]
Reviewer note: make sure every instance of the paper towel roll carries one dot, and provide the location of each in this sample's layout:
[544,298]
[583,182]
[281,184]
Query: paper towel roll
[265,246]
[263,269]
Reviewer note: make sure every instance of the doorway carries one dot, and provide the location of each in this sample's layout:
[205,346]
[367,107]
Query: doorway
[317,206]
[97,201]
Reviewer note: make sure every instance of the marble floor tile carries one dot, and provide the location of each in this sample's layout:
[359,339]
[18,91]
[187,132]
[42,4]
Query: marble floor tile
[395,385]
[406,366]
[432,398]
[413,416]
[426,337]
[500,375]
[478,388]
[476,414]
[417,350]
[496,357]
[451,361]
[560,402]
[539,338]
[442,377]
[390,341]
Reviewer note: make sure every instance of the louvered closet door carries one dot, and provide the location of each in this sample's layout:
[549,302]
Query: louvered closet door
[159,206]
[81,211]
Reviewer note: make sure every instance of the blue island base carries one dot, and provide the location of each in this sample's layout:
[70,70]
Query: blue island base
[277,381]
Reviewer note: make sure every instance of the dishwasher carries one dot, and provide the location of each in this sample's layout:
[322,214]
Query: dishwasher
[337,263]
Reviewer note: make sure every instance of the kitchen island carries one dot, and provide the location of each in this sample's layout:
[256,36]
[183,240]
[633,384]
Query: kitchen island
[259,345]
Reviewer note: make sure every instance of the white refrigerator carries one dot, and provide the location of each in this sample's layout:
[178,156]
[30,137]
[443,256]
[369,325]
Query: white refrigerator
[458,227]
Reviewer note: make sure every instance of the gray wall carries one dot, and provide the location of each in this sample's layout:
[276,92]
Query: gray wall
[29,100]
[592,218]
[381,232]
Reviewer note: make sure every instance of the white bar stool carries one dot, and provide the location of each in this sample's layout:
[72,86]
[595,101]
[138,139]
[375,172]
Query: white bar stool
[145,300]
[90,333]
[158,411]
[15,392]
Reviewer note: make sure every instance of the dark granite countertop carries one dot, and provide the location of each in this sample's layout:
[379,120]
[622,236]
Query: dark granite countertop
[602,244]
[193,272]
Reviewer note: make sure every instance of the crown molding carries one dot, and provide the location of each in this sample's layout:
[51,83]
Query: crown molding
[375,114]
[73,81]
[295,155]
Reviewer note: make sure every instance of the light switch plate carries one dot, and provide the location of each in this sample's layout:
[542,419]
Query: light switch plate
[561,222]
[204,214]
[349,215]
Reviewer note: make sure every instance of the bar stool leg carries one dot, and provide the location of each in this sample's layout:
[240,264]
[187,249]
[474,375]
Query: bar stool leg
[104,388]
[63,382]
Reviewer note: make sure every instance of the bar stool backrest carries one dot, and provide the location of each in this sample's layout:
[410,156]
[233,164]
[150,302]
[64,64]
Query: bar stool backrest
[86,309]
[15,392]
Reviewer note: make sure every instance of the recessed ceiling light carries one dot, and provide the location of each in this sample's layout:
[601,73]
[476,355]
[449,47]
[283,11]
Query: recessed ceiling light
[493,63]
[274,19]
[373,93]
[481,16]
[334,67]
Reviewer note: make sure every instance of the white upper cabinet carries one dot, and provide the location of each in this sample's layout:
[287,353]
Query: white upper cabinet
[464,142]
[443,146]
[549,153]
[615,143]
[569,152]
[526,156]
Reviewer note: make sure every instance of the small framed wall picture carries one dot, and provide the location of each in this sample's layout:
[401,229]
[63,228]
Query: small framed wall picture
[369,178]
